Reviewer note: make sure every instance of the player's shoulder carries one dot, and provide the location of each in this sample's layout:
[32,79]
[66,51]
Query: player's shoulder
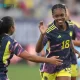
[8,39]
[76,24]
[73,24]
[51,27]
[70,23]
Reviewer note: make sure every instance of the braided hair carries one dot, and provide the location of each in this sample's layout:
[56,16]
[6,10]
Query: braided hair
[58,6]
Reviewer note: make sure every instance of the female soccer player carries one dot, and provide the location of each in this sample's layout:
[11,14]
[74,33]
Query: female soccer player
[59,36]
[74,67]
[9,47]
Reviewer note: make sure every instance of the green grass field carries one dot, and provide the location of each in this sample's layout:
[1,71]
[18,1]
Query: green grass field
[23,72]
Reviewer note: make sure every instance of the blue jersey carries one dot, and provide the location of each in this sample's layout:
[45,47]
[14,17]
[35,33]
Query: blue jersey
[74,36]
[8,47]
[59,46]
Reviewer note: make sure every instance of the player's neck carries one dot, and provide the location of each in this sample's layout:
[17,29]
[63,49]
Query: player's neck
[62,27]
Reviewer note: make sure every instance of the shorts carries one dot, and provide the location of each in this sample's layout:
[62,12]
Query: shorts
[64,72]
[74,70]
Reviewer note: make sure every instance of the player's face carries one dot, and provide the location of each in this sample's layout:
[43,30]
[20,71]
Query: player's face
[59,16]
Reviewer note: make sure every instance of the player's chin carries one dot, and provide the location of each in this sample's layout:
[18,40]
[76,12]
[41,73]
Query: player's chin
[61,25]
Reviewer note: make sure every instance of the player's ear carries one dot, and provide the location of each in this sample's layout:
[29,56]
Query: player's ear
[66,15]
[11,30]
[52,15]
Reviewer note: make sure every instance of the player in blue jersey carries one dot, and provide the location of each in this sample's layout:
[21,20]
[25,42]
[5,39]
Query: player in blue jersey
[76,41]
[74,71]
[59,36]
[9,47]
[74,67]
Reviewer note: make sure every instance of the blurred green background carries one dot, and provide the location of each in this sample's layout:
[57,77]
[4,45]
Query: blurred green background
[23,72]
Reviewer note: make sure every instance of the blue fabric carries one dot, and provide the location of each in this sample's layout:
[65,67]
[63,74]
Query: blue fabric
[3,77]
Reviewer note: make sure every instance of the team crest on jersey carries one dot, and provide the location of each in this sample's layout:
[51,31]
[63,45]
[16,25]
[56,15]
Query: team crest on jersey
[70,33]
[59,36]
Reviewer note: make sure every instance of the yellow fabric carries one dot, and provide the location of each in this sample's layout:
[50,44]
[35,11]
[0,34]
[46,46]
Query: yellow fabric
[74,70]
[76,23]
[64,72]
[41,74]
[48,46]
[6,53]
[48,76]
[9,1]
[29,3]
[52,27]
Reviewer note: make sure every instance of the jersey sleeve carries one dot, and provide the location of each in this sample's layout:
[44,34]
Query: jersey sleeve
[46,39]
[74,33]
[47,36]
[15,48]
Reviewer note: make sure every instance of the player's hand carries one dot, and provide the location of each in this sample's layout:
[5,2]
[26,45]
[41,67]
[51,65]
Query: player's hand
[55,60]
[77,52]
[42,27]
[78,55]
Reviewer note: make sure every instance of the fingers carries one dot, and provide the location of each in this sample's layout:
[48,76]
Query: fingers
[59,60]
[59,63]
[56,56]
[41,23]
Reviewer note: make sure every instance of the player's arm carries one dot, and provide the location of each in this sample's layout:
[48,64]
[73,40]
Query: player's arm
[46,49]
[53,60]
[74,50]
[39,45]
[75,42]
[17,49]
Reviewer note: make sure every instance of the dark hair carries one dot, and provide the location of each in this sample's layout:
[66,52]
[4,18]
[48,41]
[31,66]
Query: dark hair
[5,24]
[58,6]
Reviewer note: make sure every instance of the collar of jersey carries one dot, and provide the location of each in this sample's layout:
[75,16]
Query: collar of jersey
[58,28]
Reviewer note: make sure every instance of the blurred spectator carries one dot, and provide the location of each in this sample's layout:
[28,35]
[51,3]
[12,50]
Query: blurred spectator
[10,1]
[43,7]
[9,4]
[1,1]
[26,6]
[62,1]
